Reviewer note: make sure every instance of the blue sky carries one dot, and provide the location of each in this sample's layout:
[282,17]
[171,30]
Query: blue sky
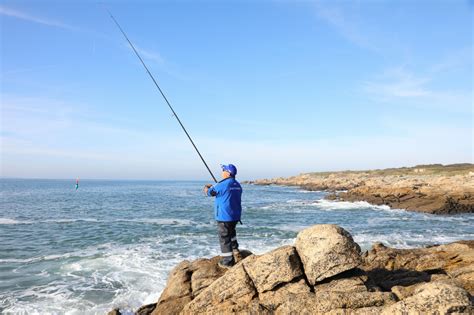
[275,87]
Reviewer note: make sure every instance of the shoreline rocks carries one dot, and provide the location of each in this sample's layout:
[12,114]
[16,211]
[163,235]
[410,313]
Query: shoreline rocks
[325,273]
[434,189]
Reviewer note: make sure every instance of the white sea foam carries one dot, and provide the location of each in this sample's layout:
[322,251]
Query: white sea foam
[34,259]
[70,220]
[163,221]
[346,205]
[304,206]
[8,221]
[406,239]
[301,191]
[133,275]
[17,260]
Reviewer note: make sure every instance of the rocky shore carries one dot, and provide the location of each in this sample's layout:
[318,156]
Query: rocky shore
[433,189]
[325,273]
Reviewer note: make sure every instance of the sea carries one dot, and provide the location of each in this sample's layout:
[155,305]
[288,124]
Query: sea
[111,244]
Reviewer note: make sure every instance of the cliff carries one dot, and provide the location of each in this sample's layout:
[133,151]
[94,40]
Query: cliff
[433,189]
[325,273]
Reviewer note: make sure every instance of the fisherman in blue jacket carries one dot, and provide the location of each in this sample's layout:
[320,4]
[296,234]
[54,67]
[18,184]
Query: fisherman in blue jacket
[228,209]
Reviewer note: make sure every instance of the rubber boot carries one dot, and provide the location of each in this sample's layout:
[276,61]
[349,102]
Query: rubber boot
[227,262]
[237,255]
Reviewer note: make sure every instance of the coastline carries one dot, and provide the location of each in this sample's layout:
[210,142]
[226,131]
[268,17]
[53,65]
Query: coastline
[434,189]
[324,272]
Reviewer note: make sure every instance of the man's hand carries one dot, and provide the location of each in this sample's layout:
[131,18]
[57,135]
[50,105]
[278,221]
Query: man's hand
[206,188]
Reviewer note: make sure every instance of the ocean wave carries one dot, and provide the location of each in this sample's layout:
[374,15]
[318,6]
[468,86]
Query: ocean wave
[34,259]
[347,205]
[327,205]
[65,220]
[7,221]
[407,239]
[301,191]
[163,221]
[133,274]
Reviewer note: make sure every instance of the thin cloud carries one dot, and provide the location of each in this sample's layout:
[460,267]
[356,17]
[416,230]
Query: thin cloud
[401,86]
[398,83]
[151,55]
[157,59]
[35,19]
[41,118]
[340,21]
[25,70]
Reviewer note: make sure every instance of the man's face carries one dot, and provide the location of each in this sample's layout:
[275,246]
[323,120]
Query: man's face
[225,174]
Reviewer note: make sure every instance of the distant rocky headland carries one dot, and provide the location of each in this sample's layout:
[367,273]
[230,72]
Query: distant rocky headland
[325,273]
[436,188]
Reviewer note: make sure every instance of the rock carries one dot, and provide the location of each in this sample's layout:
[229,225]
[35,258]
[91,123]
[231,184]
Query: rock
[187,280]
[386,279]
[172,306]
[234,287]
[228,308]
[177,291]
[324,302]
[403,292]
[303,305]
[271,300]
[459,257]
[433,298]
[326,250]
[205,272]
[115,311]
[390,267]
[281,265]
[352,281]
[146,309]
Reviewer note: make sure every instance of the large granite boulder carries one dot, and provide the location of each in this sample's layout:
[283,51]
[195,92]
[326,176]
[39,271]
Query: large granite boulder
[279,266]
[186,281]
[433,298]
[337,302]
[269,279]
[326,250]
[390,267]
[233,288]
[288,292]
[177,291]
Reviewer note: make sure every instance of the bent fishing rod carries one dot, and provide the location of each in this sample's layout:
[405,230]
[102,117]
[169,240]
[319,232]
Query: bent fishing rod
[162,94]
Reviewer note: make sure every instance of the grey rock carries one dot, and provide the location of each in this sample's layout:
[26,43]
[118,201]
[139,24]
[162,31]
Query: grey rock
[279,266]
[433,298]
[326,250]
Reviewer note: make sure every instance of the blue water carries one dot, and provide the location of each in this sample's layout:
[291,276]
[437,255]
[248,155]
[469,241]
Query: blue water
[112,243]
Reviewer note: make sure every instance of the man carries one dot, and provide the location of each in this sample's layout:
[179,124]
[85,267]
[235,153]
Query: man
[228,209]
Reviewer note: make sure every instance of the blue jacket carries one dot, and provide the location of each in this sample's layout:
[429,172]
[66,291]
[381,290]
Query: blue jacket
[228,193]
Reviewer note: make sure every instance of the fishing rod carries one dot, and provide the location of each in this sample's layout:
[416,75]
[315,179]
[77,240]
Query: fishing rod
[162,94]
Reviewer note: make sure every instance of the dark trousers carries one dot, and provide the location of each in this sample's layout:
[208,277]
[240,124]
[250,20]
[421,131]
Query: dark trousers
[227,238]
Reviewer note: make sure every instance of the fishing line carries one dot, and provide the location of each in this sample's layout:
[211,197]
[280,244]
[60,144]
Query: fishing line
[161,92]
